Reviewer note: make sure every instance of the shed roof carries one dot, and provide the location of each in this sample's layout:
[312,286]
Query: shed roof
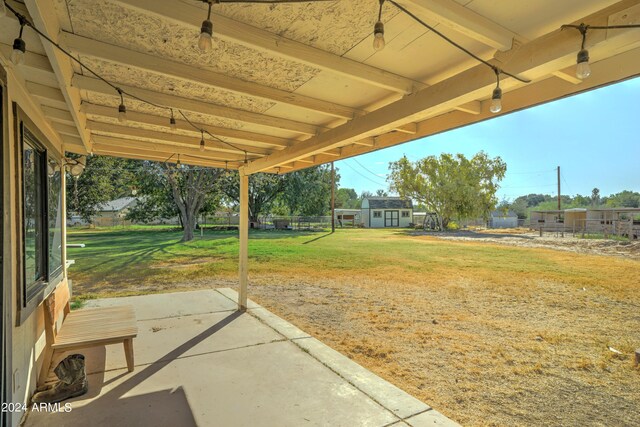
[118,204]
[290,85]
[389,203]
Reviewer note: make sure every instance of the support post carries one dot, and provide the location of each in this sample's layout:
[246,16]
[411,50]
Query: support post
[333,198]
[244,240]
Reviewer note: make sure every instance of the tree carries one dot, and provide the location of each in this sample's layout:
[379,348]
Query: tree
[451,186]
[381,193]
[104,178]
[167,191]
[626,199]
[347,198]
[307,192]
[264,190]
[595,197]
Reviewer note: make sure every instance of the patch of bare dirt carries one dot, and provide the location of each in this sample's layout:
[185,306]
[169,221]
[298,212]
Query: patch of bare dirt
[619,248]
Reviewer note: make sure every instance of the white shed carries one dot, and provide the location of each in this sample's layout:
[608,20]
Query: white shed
[381,212]
[501,219]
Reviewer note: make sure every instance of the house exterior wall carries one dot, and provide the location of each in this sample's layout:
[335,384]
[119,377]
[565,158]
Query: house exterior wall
[27,339]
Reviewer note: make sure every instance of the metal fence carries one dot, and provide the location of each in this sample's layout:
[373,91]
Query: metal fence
[592,227]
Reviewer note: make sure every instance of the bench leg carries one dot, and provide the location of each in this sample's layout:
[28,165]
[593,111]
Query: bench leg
[128,353]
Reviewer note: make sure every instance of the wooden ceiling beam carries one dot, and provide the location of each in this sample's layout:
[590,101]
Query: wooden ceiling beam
[145,155]
[163,149]
[273,44]
[173,138]
[537,58]
[155,64]
[44,17]
[465,21]
[150,119]
[203,107]
[58,115]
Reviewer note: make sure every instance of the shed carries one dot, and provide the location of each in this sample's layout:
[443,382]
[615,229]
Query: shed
[114,212]
[347,217]
[503,219]
[381,212]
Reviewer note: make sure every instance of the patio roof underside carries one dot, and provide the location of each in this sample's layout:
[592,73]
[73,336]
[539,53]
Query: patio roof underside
[294,85]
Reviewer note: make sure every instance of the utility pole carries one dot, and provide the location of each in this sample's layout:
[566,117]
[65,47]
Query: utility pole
[559,199]
[333,199]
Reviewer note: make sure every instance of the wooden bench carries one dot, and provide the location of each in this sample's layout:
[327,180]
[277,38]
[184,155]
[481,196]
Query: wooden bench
[83,329]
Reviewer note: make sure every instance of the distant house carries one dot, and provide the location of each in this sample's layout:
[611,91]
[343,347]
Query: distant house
[381,212]
[114,212]
[503,219]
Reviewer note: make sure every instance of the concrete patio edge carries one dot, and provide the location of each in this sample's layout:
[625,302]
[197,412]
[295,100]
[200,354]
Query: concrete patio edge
[409,409]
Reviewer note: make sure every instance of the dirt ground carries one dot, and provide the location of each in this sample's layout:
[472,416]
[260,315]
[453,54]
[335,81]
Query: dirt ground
[536,353]
[527,239]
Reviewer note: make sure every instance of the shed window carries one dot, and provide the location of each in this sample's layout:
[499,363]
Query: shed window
[377,214]
[405,214]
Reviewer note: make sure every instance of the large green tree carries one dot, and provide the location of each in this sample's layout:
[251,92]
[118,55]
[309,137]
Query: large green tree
[307,192]
[167,190]
[452,186]
[264,190]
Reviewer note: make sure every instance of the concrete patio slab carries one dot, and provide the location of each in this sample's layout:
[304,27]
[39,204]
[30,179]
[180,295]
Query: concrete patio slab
[159,306]
[233,369]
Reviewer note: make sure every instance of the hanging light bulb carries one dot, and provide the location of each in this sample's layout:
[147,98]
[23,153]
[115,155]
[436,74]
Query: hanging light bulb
[378,31]
[172,121]
[19,46]
[122,109]
[378,37]
[496,101]
[583,70]
[202,142]
[496,97]
[178,164]
[206,33]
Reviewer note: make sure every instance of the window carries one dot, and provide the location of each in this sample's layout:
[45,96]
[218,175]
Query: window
[377,214]
[54,213]
[42,219]
[405,214]
[35,238]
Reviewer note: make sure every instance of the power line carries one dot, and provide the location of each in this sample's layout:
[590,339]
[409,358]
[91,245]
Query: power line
[364,176]
[363,167]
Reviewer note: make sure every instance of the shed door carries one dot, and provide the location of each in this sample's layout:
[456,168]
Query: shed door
[391,218]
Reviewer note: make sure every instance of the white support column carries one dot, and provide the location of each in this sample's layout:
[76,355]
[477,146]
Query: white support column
[63,209]
[244,240]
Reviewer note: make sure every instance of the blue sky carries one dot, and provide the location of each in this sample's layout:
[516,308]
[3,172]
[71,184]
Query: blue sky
[594,138]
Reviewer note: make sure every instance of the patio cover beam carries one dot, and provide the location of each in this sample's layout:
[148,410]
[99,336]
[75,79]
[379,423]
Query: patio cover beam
[273,44]
[44,17]
[101,111]
[616,68]
[155,64]
[203,107]
[459,18]
[537,59]
[131,144]
[173,139]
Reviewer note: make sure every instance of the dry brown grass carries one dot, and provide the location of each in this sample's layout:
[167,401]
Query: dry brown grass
[498,347]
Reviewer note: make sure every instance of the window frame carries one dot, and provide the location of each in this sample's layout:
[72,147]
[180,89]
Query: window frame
[28,303]
[377,214]
[405,214]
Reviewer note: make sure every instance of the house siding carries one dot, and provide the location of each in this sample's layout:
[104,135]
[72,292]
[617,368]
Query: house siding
[26,338]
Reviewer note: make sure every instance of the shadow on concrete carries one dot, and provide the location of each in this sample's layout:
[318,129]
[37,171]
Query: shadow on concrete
[113,408]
